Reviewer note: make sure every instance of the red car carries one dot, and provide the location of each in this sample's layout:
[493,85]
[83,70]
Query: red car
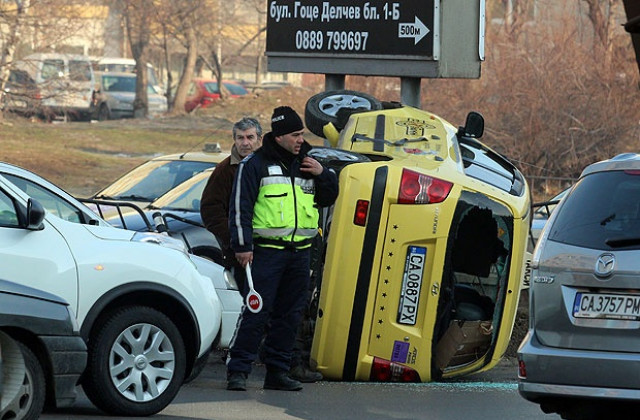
[203,92]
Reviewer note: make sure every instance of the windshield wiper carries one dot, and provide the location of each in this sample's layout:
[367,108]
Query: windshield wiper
[134,197]
[179,209]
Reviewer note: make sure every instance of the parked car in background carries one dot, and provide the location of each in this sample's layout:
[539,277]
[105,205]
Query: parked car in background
[541,213]
[42,352]
[115,93]
[147,182]
[21,94]
[581,357]
[203,92]
[147,313]
[65,82]
[179,208]
[180,212]
[126,65]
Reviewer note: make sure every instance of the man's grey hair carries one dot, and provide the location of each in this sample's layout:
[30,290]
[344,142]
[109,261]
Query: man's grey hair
[246,123]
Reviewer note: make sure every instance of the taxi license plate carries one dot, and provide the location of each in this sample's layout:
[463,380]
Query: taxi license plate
[605,305]
[411,284]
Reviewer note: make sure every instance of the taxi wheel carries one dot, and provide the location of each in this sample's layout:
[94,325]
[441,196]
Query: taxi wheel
[335,107]
[136,362]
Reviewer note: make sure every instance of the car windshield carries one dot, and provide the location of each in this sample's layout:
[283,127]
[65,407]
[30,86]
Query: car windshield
[601,212]
[211,87]
[123,84]
[80,70]
[152,179]
[185,196]
[235,89]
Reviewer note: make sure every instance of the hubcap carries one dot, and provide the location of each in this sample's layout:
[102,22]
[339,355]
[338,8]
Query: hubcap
[142,362]
[17,383]
[332,104]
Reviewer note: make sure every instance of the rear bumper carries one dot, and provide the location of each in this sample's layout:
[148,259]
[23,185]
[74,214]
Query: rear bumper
[553,372]
[68,360]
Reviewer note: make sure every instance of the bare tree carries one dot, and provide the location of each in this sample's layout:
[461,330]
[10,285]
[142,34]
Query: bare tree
[138,26]
[600,14]
[15,17]
[34,26]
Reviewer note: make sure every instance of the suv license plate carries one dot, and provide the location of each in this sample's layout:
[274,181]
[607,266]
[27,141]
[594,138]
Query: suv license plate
[609,306]
[411,284]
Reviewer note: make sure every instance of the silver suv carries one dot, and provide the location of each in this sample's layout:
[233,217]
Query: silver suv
[581,356]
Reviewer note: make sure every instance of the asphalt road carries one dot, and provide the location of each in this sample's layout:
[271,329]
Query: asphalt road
[491,395]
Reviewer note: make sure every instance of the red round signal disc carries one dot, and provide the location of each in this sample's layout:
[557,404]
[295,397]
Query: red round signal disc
[254,302]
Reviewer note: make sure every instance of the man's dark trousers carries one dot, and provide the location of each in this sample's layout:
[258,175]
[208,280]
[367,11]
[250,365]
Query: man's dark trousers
[282,279]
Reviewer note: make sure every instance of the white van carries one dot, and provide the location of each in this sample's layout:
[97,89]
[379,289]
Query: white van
[65,82]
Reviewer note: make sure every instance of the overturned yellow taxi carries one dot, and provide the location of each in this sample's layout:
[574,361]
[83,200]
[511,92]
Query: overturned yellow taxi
[425,246]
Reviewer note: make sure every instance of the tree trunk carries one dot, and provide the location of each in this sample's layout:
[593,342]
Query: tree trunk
[12,38]
[136,17]
[187,73]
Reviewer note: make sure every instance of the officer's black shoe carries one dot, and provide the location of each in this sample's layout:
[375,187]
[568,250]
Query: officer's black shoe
[237,381]
[280,380]
[304,374]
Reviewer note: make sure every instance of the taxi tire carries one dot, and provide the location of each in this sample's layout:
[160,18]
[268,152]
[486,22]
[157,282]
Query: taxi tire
[315,114]
[115,328]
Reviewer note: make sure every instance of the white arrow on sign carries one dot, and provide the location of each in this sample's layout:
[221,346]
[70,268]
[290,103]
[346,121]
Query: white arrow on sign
[416,30]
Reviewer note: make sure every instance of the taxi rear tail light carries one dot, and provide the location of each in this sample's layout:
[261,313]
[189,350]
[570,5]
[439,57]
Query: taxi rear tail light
[360,215]
[417,188]
[386,371]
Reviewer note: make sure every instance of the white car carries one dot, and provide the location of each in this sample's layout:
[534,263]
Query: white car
[147,313]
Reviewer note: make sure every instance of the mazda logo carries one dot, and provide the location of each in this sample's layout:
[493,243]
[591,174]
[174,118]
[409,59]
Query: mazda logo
[605,265]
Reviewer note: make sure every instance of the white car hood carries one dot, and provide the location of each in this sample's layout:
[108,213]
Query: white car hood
[110,232]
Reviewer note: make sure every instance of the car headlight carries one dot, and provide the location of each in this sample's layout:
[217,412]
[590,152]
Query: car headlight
[160,239]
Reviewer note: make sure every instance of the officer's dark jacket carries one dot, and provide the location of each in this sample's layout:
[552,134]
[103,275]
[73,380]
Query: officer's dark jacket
[273,203]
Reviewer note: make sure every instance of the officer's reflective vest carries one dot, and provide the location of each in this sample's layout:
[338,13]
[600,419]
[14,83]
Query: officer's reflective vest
[284,215]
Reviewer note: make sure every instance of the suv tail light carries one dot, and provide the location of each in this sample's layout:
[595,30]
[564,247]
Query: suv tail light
[386,371]
[522,369]
[416,188]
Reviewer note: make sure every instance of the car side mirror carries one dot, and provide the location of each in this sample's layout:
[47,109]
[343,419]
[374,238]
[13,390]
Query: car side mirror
[35,215]
[473,126]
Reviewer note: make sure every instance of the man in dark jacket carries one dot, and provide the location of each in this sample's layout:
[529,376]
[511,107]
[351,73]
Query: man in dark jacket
[214,204]
[273,219]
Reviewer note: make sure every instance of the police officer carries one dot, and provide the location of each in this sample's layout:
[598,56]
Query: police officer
[273,219]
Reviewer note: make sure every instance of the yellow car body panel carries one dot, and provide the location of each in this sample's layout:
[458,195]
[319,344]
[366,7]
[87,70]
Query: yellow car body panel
[361,317]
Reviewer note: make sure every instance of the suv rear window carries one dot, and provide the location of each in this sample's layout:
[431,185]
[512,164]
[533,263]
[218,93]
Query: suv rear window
[602,211]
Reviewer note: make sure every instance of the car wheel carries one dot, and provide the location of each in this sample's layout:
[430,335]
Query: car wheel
[103,113]
[136,362]
[335,107]
[23,383]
